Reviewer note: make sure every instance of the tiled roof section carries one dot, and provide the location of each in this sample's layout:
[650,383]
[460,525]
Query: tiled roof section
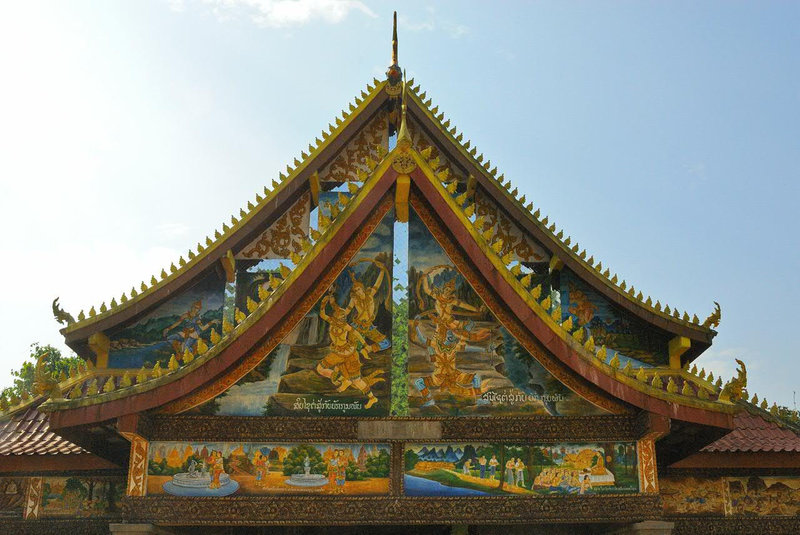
[754,433]
[28,433]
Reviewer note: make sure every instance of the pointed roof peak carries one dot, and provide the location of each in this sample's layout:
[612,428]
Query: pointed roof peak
[393,73]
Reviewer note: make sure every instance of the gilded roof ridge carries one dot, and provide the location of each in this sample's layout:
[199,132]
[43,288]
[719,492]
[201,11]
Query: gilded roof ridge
[354,109]
[604,275]
[668,384]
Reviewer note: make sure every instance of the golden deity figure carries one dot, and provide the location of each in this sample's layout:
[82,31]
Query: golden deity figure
[342,364]
[365,306]
[450,336]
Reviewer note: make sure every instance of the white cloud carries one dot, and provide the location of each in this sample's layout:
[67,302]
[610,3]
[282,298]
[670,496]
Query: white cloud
[433,23]
[280,13]
[723,361]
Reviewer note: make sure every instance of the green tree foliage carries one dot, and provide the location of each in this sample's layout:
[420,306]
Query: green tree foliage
[294,463]
[75,485]
[354,473]
[378,465]
[788,415]
[55,362]
[411,460]
[399,396]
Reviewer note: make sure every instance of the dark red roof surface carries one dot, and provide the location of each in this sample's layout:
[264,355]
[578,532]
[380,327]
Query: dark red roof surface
[754,433]
[28,433]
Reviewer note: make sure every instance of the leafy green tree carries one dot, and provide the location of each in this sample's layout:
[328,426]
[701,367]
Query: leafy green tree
[399,396]
[411,460]
[378,465]
[55,362]
[354,473]
[294,463]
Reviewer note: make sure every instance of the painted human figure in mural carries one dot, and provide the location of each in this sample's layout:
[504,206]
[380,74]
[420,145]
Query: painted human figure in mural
[186,338]
[341,471]
[493,462]
[217,466]
[333,469]
[363,302]
[261,463]
[519,466]
[342,364]
[450,336]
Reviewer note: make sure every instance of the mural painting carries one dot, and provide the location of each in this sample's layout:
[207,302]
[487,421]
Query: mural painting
[476,469]
[619,331]
[173,328]
[337,359]
[247,468]
[756,495]
[81,496]
[461,360]
[12,496]
[692,495]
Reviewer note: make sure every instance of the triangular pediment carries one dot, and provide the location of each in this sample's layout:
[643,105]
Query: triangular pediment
[206,345]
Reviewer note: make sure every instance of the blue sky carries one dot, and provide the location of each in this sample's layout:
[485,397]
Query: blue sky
[664,137]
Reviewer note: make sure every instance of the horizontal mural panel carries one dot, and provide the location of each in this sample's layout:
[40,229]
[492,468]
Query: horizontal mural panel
[253,468]
[482,469]
[749,496]
[81,496]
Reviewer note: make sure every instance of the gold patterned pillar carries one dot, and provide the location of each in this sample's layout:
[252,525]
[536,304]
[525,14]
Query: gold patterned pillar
[33,499]
[648,472]
[137,467]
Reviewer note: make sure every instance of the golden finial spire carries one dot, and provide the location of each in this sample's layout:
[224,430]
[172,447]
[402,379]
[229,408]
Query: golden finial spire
[393,73]
[394,40]
[403,138]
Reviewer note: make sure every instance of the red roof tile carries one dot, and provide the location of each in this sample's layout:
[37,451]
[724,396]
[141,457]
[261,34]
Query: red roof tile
[28,433]
[754,433]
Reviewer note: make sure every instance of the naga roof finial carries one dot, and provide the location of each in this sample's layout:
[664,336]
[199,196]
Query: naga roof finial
[393,73]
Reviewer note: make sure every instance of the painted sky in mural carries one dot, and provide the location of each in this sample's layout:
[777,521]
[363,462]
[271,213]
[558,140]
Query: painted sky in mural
[479,469]
[461,361]
[171,328]
[337,360]
[242,468]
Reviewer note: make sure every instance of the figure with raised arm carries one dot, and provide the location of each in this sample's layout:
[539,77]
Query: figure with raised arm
[450,336]
[342,364]
[365,307]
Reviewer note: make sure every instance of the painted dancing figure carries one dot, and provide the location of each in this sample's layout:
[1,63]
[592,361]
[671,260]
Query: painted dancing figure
[450,336]
[342,364]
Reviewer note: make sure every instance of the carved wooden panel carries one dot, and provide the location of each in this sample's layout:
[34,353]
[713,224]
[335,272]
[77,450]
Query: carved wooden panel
[544,428]
[307,510]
